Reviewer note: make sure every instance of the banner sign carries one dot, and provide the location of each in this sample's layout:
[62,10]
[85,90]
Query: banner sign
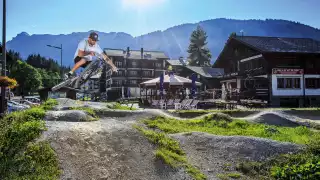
[287,71]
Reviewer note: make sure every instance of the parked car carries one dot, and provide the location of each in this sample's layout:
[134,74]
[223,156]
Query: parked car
[18,104]
[33,99]
[27,102]
[13,107]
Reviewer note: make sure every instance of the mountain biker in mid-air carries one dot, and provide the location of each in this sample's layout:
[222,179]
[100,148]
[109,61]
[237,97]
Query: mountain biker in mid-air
[88,48]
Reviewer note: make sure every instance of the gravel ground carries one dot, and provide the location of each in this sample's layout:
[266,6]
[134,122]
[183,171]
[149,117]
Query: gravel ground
[106,149]
[210,153]
[65,103]
[111,149]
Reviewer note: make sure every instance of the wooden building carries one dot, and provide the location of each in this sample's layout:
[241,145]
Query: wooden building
[135,67]
[284,71]
[208,76]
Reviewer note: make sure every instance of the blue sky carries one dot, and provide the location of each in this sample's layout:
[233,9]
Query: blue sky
[138,17]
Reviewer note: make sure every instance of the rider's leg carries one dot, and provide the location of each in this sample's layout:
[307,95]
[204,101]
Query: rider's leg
[79,62]
[78,65]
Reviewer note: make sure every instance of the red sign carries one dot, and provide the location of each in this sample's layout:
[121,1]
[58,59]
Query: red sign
[287,71]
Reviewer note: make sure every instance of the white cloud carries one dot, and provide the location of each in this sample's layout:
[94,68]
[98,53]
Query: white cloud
[140,4]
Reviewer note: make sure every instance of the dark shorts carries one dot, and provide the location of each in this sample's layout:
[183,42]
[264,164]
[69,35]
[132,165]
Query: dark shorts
[77,59]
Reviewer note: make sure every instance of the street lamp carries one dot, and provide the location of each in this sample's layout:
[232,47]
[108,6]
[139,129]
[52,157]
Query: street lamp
[60,55]
[3,89]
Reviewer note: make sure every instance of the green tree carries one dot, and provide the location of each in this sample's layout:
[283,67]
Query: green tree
[199,54]
[49,78]
[29,79]
[233,34]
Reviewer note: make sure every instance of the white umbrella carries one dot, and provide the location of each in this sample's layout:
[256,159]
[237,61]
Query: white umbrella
[171,80]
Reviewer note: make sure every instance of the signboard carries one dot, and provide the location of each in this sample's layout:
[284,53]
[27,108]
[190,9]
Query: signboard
[287,71]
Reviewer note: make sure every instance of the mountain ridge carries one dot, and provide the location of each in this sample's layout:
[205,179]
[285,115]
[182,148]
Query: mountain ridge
[173,41]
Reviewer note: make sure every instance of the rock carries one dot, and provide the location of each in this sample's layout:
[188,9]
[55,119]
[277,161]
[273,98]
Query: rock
[68,115]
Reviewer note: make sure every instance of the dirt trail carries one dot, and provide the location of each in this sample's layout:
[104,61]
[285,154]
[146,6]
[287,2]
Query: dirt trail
[212,153]
[106,149]
[112,149]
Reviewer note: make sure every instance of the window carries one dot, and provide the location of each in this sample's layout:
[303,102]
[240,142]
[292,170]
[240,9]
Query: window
[280,83]
[133,73]
[296,83]
[116,82]
[146,73]
[158,65]
[133,82]
[134,64]
[118,63]
[288,83]
[119,73]
[312,83]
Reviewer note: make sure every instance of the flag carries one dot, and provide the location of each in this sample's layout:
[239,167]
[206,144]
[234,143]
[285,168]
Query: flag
[194,87]
[161,85]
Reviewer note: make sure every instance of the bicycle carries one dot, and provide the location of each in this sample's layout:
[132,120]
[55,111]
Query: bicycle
[92,69]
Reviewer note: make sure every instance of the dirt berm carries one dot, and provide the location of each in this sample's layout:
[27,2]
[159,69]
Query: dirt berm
[112,149]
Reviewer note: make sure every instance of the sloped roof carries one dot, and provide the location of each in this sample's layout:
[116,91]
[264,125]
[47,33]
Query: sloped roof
[175,62]
[136,54]
[206,71]
[281,44]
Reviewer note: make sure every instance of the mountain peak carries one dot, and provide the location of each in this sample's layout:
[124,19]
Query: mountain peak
[23,34]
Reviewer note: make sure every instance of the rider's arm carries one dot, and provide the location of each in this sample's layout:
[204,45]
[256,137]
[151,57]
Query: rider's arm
[106,58]
[109,61]
[81,47]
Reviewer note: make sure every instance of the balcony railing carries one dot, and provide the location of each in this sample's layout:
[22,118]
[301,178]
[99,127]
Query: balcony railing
[134,66]
[133,75]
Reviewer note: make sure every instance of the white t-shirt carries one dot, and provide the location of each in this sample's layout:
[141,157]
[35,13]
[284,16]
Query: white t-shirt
[84,46]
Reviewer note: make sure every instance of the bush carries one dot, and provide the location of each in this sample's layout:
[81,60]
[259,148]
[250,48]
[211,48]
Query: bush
[17,159]
[49,104]
[37,162]
[300,166]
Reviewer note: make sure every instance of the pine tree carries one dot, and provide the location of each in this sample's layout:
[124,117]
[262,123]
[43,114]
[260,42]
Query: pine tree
[199,54]
[233,34]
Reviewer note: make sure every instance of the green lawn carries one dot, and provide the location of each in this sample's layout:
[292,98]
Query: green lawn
[228,127]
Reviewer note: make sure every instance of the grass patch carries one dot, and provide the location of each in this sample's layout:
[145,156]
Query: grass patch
[223,125]
[228,176]
[302,165]
[170,152]
[49,104]
[118,106]
[19,158]
[234,175]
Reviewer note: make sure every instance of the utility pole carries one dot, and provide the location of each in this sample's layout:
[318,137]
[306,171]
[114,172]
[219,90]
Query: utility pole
[3,89]
[56,47]
[61,61]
